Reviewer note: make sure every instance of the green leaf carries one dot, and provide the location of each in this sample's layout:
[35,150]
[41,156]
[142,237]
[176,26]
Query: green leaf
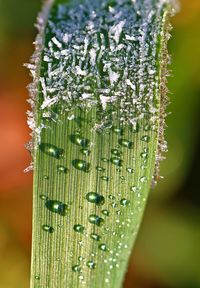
[98,99]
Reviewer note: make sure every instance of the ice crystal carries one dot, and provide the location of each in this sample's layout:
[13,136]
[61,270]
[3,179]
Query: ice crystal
[99,54]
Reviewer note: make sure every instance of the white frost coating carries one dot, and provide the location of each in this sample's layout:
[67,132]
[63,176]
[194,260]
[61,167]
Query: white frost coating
[99,55]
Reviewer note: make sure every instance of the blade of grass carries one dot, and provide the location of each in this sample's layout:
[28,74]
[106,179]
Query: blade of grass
[98,100]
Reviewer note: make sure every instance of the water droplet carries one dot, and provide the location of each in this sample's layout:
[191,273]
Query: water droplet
[105,178]
[81,165]
[147,127]
[91,264]
[116,152]
[62,169]
[143,179]
[105,160]
[134,188]
[79,228]
[57,207]
[130,170]
[117,130]
[96,198]
[111,197]
[126,143]
[78,140]
[100,169]
[95,237]
[144,155]
[51,150]
[135,128]
[85,152]
[145,138]
[116,161]
[124,202]
[48,228]
[76,268]
[37,277]
[80,258]
[96,220]
[103,247]
[46,177]
[43,197]
[105,212]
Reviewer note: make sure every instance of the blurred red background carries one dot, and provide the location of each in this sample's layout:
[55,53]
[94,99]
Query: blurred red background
[167,251]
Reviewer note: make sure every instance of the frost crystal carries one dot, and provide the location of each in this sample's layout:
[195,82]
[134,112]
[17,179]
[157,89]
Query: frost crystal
[100,54]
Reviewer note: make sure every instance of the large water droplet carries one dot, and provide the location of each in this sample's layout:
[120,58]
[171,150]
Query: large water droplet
[95,237]
[91,264]
[51,150]
[96,220]
[57,207]
[48,228]
[96,198]
[79,228]
[126,143]
[81,165]
[78,140]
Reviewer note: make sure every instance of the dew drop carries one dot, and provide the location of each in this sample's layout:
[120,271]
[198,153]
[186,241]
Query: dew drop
[61,169]
[116,161]
[103,247]
[79,228]
[144,155]
[105,178]
[105,160]
[105,212]
[85,152]
[100,169]
[81,165]
[46,177]
[116,152]
[76,268]
[51,150]
[43,197]
[135,128]
[95,237]
[126,143]
[78,140]
[147,127]
[124,202]
[145,138]
[143,179]
[134,188]
[37,277]
[48,228]
[96,220]
[57,207]
[91,264]
[130,170]
[117,130]
[96,198]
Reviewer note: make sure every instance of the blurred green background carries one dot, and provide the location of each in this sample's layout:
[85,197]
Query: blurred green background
[167,253]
